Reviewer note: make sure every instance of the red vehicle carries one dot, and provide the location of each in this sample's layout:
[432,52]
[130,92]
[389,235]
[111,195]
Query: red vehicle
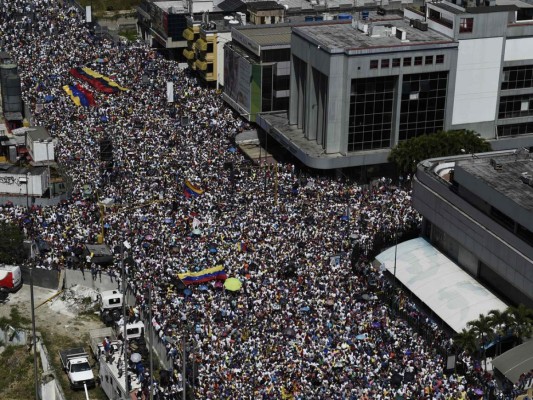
[10,278]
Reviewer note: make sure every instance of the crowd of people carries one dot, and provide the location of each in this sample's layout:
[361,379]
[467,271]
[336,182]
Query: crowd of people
[307,323]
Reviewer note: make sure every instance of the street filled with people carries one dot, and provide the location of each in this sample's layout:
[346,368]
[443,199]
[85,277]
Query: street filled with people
[308,322]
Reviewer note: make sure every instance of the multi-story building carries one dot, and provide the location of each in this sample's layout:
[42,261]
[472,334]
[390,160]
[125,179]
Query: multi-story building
[161,23]
[494,84]
[357,91]
[478,210]
[205,44]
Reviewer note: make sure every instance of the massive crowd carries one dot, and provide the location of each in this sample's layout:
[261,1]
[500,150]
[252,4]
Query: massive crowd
[302,326]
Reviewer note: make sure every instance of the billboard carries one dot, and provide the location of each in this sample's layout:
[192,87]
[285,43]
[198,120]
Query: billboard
[237,79]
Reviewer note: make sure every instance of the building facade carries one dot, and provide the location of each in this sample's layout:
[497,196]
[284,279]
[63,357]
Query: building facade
[357,91]
[494,85]
[478,210]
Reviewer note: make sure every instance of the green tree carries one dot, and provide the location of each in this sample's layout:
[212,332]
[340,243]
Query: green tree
[482,328]
[500,321]
[11,244]
[408,153]
[467,340]
[521,321]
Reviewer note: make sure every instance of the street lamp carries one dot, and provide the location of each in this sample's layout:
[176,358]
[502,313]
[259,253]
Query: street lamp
[127,245]
[48,141]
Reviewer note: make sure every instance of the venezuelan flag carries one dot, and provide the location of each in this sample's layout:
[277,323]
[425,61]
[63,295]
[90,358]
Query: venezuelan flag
[205,275]
[88,94]
[100,82]
[192,189]
[74,98]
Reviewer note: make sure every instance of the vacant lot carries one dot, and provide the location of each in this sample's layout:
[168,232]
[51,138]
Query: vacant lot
[63,322]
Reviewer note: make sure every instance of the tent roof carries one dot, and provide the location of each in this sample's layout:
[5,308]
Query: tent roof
[515,362]
[438,282]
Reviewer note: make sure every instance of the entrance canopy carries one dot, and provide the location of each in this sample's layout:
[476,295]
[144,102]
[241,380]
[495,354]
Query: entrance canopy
[439,283]
[515,362]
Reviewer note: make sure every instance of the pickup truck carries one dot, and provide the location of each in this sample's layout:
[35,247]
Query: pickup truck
[75,363]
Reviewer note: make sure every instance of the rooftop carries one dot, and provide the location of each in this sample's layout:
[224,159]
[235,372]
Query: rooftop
[507,180]
[264,6]
[344,38]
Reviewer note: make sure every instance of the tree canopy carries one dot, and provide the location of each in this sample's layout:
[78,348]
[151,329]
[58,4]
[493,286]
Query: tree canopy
[407,154]
[11,244]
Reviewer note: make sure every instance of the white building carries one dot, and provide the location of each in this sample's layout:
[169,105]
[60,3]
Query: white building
[40,145]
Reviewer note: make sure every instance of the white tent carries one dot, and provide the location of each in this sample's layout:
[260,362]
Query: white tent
[438,282]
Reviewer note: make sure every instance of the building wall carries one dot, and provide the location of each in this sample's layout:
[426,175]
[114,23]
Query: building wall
[477,82]
[483,247]
[518,49]
[307,104]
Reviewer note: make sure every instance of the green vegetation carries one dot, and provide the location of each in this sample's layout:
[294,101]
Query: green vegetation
[54,343]
[16,381]
[110,5]
[516,322]
[407,154]
[11,244]
[131,35]
[15,319]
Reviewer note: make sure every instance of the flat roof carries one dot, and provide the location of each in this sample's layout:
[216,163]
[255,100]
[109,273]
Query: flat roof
[507,180]
[439,283]
[264,5]
[166,5]
[341,38]
[448,7]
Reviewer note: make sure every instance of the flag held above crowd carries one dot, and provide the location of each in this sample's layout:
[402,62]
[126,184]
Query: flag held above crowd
[76,96]
[205,275]
[189,189]
[100,82]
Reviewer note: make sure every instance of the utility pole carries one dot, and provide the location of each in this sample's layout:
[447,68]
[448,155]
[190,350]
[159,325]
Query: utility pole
[184,380]
[36,378]
[151,343]
[124,321]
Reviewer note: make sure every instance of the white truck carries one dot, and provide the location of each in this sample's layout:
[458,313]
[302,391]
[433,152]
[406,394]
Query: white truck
[10,278]
[76,364]
[111,302]
[112,366]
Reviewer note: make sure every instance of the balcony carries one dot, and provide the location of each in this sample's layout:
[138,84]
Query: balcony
[188,54]
[188,34]
[201,45]
[201,65]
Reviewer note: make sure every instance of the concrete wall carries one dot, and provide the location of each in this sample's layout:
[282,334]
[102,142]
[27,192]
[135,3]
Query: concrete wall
[42,277]
[76,277]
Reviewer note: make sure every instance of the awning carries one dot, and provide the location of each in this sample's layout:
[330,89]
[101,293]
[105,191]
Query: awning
[188,34]
[515,362]
[438,282]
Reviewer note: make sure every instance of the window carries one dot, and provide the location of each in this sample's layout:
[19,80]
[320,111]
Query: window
[515,106]
[371,113]
[210,47]
[466,25]
[429,60]
[396,62]
[407,62]
[422,104]
[210,68]
[517,77]
[418,60]
[439,59]
[385,63]
[374,64]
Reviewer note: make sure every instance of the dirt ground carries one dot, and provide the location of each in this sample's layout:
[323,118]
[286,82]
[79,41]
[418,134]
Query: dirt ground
[65,315]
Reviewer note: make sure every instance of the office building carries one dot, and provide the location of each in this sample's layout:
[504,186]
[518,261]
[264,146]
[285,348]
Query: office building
[478,210]
[357,91]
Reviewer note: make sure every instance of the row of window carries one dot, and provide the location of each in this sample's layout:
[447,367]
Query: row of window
[515,129]
[515,106]
[517,77]
[407,61]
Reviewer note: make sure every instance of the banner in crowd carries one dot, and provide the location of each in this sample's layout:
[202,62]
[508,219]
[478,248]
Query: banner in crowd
[210,274]
[189,189]
[100,82]
[76,96]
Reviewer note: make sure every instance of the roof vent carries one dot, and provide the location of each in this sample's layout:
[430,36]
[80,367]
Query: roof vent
[496,165]
[526,178]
